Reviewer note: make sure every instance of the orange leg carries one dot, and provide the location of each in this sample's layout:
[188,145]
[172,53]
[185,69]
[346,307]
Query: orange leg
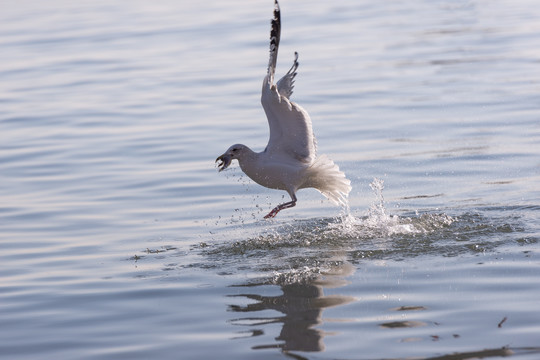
[280,207]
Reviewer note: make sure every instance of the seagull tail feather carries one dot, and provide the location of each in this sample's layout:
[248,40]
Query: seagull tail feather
[329,180]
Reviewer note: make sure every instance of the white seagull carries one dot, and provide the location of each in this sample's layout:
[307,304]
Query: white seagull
[290,160]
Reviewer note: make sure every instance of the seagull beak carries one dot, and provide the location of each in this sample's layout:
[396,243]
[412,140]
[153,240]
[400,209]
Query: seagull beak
[225,162]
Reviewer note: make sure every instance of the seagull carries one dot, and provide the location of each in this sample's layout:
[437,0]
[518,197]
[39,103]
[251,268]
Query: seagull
[289,162]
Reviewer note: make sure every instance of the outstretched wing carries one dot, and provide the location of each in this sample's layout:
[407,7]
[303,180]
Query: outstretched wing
[291,133]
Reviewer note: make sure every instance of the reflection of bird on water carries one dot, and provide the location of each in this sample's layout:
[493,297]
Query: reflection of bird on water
[302,304]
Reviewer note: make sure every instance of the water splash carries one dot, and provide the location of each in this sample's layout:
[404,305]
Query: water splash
[378,222]
[301,250]
[344,231]
[377,211]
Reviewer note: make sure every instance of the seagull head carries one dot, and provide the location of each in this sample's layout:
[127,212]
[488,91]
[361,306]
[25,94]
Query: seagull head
[234,152]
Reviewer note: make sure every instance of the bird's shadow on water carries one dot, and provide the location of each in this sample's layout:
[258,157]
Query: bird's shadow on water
[298,309]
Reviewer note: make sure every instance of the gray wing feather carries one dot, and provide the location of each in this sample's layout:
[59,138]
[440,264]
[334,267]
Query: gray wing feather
[291,132]
[286,84]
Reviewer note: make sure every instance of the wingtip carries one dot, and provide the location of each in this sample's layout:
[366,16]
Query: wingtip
[276,21]
[275,34]
[277,12]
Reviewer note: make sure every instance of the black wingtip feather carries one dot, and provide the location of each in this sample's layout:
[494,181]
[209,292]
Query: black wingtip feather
[275,34]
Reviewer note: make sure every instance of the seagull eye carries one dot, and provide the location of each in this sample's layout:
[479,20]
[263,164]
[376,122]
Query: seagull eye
[234,150]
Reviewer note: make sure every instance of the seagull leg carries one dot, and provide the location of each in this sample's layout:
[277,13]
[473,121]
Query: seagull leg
[280,207]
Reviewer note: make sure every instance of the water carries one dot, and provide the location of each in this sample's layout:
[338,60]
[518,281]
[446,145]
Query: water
[119,239]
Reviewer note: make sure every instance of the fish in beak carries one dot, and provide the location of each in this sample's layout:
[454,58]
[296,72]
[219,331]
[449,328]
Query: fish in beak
[225,161]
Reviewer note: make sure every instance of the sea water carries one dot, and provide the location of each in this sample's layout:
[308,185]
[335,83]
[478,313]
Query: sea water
[120,240]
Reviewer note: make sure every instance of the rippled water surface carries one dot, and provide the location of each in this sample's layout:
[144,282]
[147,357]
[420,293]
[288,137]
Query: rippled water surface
[120,240]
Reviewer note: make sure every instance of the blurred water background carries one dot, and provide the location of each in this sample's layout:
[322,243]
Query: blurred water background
[119,239]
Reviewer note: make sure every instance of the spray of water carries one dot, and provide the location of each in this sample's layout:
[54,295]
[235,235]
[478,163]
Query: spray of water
[376,226]
[378,222]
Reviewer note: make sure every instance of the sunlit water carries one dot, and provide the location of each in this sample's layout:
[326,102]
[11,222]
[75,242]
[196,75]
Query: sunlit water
[119,239]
